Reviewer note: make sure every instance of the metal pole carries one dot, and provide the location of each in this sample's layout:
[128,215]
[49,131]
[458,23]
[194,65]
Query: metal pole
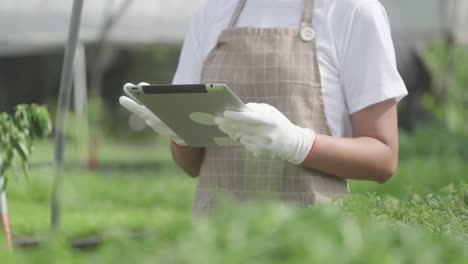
[63,106]
[81,101]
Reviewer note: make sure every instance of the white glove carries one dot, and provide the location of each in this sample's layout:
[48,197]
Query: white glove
[144,113]
[264,130]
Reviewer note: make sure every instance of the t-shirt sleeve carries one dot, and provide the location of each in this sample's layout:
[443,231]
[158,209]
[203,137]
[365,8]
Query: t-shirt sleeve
[190,61]
[368,69]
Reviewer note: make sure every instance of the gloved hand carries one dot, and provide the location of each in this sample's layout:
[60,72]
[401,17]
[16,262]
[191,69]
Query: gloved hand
[144,113]
[264,130]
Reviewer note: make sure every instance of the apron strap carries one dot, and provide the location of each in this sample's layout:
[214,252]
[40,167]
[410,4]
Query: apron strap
[307,14]
[237,13]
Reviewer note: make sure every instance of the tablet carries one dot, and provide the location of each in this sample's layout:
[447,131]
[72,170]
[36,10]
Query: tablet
[190,110]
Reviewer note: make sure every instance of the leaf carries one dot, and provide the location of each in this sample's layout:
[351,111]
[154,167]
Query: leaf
[18,133]
[5,183]
[25,167]
[41,121]
[2,160]
[21,117]
[7,160]
[22,150]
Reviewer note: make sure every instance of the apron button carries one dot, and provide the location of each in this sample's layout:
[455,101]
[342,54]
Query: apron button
[307,34]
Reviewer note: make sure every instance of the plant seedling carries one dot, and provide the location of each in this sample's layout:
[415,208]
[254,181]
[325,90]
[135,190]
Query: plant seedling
[17,135]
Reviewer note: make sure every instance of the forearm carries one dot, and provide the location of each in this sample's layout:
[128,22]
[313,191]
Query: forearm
[363,158]
[189,159]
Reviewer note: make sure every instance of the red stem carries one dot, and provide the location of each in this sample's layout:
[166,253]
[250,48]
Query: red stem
[6,229]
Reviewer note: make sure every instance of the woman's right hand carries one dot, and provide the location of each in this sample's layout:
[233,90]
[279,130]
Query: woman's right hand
[144,113]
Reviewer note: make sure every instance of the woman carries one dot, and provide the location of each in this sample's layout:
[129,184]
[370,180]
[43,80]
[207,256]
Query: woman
[322,85]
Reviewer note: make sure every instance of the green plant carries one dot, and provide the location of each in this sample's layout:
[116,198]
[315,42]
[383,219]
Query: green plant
[433,141]
[449,101]
[418,217]
[18,133]
[443,214]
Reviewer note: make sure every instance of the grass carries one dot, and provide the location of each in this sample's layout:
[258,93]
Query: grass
[116,197]
[419,216]
[444,214]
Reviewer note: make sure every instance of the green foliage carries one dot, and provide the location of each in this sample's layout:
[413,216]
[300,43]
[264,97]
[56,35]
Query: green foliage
[443,214]
[428,142]
[420,216]
[112,203]
[18,133]
[449,102]
[272,234]
[431,158]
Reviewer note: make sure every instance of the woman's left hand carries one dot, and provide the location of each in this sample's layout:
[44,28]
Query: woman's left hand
[264,130]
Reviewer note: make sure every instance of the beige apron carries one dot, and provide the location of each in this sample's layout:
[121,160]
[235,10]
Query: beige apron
[277,66]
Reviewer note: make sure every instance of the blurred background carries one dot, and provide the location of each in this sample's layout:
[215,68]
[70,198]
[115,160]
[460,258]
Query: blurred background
[123,40]
[119,175]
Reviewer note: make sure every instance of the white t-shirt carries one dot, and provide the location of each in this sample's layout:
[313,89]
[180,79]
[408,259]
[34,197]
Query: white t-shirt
[354,45]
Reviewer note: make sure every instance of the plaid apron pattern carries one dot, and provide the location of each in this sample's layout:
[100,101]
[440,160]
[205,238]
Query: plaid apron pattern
[276,66]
